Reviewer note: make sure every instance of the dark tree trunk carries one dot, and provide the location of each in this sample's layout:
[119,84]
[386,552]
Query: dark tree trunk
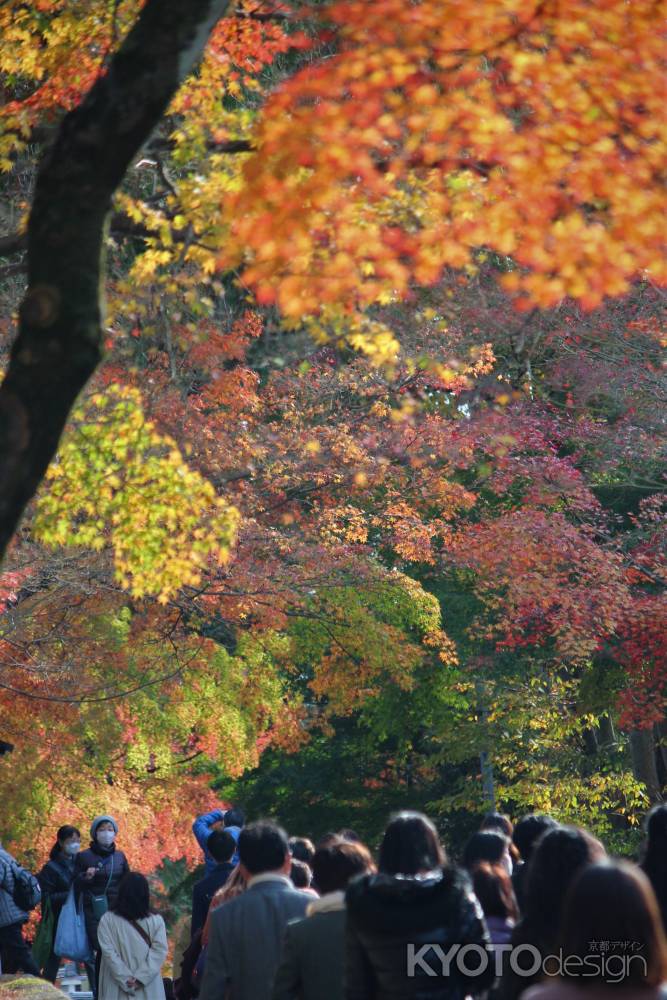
[59,342]
[607,737]
[642,748]
[590,739]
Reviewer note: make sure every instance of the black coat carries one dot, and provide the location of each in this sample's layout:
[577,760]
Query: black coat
[110,864]
[203,893]
[391,917]
[55,880]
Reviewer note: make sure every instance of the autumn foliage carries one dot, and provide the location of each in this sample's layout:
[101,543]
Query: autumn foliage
[375,451]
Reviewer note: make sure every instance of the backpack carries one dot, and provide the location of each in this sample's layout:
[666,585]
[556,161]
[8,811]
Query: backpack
[27,892]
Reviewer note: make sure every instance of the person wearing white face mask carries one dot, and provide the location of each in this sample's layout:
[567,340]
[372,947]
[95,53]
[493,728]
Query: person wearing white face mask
[55,880]
[99,870]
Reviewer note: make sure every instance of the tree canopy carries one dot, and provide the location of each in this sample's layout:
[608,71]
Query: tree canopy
[370,453]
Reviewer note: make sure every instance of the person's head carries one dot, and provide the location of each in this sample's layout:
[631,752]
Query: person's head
[103,830]
[656,836]
[338,861]
[528,831]
[133,900]
[300,874]
[68,841]
[221,846]
[410,845]
[497,821]
[487,845]
[493,888]
[347,834]
[234,817]
[263,847]
[327,839]
[613,902]
[302,849]
[559,856]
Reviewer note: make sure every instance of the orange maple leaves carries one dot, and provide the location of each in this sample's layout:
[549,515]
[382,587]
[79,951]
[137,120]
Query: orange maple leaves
[534,129]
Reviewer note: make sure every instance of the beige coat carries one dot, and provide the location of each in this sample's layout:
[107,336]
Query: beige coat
[125,954]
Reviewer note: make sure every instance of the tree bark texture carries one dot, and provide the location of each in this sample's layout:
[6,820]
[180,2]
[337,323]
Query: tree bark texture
[59,341]
[642,750]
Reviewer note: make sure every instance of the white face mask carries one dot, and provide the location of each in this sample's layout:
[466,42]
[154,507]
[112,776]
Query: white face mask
[72,848]
[106,837]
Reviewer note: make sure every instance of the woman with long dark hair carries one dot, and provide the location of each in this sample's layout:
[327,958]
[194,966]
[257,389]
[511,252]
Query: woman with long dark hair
[491,846]
[654,863]
[415,900]
[611,943]
[133,944]
[493,888]
[55,880]
[561,854]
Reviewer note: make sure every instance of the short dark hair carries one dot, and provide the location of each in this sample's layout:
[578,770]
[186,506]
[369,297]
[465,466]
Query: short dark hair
[338,861]
[493,888]
[134,898]
[528,831]
[263,847]
[347,834]
[486,845]
[410,845]
[302,849]
[221,845]
[497,821]
[614,902]
[234,817]
[300,874]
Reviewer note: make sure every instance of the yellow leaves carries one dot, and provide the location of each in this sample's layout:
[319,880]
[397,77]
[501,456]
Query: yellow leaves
[370,337]
[118,483]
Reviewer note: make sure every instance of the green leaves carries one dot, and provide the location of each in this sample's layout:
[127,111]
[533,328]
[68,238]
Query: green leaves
[118,484]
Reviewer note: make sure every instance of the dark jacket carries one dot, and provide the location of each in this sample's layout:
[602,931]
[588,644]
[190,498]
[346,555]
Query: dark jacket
[519,882]
[184,985]
[515,978]
[203,893]
[657,876]
[390,920]
[55,880]
[313,954]
[110,864]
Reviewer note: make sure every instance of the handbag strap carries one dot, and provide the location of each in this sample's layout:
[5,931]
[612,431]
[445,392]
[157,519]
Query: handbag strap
[101,865]
[139,929]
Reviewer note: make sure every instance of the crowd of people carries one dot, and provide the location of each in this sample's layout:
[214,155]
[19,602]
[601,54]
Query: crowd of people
[536,911]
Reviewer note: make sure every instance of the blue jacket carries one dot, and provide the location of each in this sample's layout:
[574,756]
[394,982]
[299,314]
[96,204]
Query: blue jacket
[202,829]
